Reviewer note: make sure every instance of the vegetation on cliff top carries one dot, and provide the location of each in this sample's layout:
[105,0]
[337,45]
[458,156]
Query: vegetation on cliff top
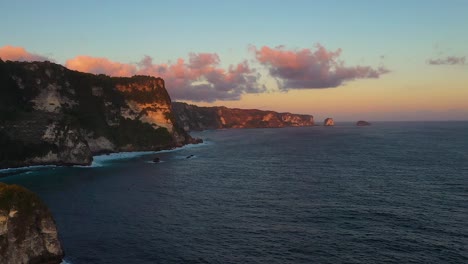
[18,198]
[28,231]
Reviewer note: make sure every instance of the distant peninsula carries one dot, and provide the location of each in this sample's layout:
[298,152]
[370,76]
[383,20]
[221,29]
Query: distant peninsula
[50,115]
[193,118]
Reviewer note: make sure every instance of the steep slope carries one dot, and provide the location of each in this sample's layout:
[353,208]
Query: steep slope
[52,115]
[27,230]
[191,117]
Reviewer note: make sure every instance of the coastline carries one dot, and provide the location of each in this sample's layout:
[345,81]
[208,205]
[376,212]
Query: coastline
[98,160]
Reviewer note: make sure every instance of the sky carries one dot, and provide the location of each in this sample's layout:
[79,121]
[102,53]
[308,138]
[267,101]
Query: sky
[349,60]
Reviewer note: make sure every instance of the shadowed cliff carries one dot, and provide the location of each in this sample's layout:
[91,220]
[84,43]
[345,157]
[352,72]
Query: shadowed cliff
[52,115]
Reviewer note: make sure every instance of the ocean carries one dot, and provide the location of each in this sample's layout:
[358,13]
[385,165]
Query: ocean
[387,193]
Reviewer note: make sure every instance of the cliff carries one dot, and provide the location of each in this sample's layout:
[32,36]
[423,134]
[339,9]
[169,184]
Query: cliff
[52,115]
[191,117]
[27,229]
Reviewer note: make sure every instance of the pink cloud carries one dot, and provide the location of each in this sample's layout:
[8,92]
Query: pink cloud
[100,66]
[19,54]
[203,60]
[201,78]
[306,68]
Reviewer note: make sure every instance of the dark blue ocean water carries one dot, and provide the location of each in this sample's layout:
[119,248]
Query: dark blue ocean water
[388,193]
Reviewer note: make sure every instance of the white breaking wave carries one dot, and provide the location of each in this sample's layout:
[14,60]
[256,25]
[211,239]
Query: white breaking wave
[27,168]
[99,160]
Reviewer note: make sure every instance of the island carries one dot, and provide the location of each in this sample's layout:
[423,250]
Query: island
[362,123]
[328,122]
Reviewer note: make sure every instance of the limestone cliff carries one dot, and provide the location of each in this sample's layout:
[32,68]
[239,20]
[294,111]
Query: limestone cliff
[52,115]
[191,117]
[27,230]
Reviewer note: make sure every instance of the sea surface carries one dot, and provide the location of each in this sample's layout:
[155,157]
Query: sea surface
[388,193]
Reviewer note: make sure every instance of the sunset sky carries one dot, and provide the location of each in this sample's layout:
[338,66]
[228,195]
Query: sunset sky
[350,60]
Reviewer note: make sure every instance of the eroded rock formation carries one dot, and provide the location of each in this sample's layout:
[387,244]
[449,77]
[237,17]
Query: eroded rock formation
[27,230]
[328,122]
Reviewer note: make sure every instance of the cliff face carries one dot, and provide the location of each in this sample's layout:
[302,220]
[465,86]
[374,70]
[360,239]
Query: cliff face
[191,117]
[52,115]
[27,229]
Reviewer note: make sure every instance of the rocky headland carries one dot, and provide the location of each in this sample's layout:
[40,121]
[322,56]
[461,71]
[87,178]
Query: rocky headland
[27,230]
[193,118]
[52,115]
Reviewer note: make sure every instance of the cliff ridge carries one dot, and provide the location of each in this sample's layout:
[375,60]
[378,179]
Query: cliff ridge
[52,115]
[192,117]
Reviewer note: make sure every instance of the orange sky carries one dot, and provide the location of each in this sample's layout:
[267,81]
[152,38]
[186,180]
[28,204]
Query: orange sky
[413,92]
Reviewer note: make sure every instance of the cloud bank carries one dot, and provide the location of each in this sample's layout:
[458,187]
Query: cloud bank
[200,77]
[19,54]
[450,60]
[311,69]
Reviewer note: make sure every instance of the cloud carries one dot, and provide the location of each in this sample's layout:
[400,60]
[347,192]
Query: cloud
[450,60]
[19,54]
[311,69]
[100,66]
[199,79]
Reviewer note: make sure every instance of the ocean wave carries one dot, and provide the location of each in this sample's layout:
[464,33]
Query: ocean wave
[99,160]
[27,168]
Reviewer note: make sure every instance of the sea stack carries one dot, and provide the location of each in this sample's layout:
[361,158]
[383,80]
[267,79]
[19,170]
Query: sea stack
[27,229]
[362,123]
[328,122]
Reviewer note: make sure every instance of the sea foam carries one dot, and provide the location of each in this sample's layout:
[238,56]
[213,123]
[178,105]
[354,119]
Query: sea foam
[100,160]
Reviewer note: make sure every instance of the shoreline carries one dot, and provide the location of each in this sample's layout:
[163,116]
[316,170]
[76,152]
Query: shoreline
[98,160]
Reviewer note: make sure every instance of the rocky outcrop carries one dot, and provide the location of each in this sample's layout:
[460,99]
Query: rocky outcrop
[328,122]
[27,230]
[191,117]
[52,115]
[362,123]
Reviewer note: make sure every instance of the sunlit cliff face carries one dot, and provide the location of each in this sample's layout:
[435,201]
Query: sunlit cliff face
[149,102]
